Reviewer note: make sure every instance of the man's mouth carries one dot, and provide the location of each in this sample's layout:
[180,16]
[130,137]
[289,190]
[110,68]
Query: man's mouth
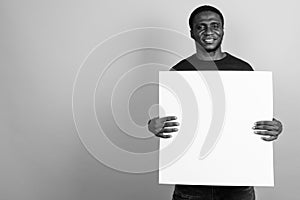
[209,40]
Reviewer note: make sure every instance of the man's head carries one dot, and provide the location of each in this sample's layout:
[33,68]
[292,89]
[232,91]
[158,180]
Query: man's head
[206,24]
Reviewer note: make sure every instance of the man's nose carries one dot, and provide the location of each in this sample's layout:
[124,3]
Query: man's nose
[208,31]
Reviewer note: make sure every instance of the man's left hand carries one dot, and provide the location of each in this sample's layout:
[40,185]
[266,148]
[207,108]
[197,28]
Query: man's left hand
[268,128]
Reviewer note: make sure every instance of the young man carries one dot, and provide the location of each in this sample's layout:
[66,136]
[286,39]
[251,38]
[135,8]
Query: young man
[207,29]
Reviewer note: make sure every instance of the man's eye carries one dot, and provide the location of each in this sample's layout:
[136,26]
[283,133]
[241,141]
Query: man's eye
[201,27]
[215,26]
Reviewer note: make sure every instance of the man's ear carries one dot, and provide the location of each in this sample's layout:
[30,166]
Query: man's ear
[191,34]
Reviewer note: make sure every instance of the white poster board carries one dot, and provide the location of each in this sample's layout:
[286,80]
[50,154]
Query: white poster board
[215,144]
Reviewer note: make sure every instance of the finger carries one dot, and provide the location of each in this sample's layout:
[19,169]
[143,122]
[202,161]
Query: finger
[168,118]
[161,135]
[168,130]
[268,133]
[269,139]
[265,123]
[266,127]
[170,124]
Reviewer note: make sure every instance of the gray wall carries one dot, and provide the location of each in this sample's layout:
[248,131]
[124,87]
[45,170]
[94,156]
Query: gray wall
[43,44]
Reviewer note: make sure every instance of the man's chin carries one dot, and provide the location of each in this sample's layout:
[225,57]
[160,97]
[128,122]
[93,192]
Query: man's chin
[211,48]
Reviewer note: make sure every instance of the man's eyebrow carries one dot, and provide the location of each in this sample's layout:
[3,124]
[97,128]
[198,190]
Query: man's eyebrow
[200,23]
[205,22]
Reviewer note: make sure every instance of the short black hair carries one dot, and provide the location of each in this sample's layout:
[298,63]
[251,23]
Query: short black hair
[204,8]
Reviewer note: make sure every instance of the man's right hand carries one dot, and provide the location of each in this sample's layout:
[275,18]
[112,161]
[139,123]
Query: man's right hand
[159,126]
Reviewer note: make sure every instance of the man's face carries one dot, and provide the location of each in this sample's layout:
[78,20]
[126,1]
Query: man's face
[207,30]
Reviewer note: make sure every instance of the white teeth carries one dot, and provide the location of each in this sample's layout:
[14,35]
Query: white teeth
[209,40]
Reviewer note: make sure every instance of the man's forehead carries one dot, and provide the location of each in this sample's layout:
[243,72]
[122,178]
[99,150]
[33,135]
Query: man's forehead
[207,16]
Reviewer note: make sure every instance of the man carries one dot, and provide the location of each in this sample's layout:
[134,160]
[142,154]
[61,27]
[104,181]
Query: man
[207,29]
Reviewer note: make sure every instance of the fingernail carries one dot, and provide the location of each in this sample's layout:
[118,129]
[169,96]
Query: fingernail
[253,127]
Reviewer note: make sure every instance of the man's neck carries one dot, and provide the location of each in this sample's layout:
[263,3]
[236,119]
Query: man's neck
[210,56]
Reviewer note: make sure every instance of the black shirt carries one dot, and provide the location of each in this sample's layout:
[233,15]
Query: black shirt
[229,62]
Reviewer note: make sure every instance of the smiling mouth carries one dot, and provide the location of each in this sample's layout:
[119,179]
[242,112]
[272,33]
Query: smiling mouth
[209,40]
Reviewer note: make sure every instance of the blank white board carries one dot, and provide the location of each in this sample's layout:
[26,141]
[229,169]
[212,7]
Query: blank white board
[215,144]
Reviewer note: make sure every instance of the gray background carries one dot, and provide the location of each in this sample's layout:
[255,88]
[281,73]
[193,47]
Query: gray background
[42,46]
